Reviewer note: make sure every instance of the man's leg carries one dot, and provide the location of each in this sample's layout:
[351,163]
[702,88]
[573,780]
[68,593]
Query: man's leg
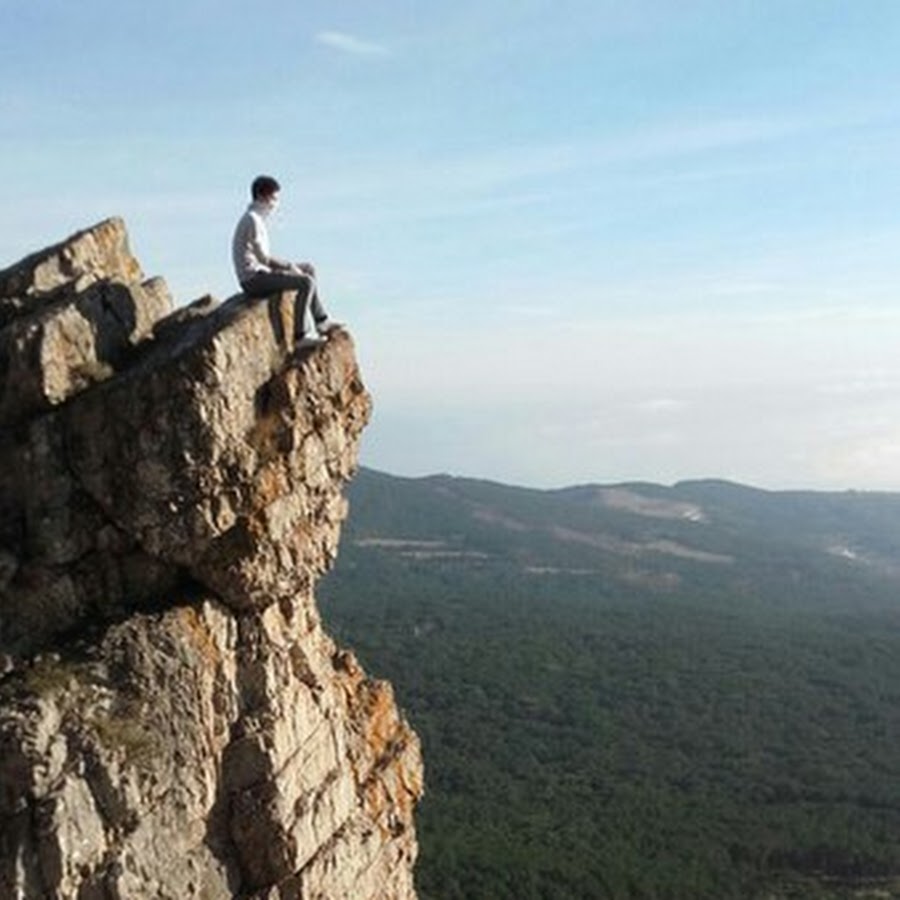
[317,310]
[315,305]
[262,284]
[323,324]
[301,303]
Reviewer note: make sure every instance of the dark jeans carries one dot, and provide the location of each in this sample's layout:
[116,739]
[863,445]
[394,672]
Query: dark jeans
[263,284]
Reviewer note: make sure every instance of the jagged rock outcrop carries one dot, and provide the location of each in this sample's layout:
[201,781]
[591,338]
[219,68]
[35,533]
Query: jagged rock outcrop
[174,721]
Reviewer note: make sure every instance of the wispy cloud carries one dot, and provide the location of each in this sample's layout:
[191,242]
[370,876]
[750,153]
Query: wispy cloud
[657,405]
[447,183]
[348,43]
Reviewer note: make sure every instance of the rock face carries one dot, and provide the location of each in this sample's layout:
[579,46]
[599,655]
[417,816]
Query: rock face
[174,721]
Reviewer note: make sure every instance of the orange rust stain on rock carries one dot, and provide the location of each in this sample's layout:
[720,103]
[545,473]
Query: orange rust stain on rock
[380,712]
[271,483]
[199,636]
[395,784]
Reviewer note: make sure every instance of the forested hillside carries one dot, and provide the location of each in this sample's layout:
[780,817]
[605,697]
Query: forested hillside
[637,691]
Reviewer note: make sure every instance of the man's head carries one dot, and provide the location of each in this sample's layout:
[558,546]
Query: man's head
[264,188]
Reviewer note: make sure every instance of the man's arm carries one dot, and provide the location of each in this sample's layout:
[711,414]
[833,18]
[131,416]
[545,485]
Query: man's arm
[259,247]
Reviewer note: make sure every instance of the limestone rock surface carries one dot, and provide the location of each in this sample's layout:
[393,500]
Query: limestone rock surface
[174,720]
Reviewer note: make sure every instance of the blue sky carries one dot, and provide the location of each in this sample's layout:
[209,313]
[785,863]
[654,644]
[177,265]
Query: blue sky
[574,240]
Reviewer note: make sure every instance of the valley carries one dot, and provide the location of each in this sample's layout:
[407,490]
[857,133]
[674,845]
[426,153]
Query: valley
[636,691]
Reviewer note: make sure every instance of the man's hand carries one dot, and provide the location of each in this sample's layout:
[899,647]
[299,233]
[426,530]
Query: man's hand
[307,268]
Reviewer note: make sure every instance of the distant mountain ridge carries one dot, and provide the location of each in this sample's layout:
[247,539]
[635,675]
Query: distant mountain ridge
[657,536]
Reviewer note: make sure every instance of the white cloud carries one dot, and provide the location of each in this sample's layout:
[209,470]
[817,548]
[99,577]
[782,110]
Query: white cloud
[347,43]
[868,461]
[660,405]
[864,384]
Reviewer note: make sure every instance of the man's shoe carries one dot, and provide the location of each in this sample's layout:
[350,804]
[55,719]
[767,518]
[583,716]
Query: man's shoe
[326,326]
[307,343]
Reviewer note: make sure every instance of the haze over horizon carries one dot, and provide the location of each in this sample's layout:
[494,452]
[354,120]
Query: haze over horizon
[580,241]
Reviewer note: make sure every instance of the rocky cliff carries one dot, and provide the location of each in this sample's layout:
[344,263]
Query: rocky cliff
[174,721]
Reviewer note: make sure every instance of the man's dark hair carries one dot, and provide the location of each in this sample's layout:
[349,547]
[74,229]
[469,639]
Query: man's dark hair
[263,186]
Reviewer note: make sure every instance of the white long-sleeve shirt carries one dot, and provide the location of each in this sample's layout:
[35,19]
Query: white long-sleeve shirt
[250,244]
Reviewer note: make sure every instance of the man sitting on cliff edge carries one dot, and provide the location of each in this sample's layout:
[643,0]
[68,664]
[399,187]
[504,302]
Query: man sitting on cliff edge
[261,274]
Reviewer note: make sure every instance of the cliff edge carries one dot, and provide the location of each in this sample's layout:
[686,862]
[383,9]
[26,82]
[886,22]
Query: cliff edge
[174,721]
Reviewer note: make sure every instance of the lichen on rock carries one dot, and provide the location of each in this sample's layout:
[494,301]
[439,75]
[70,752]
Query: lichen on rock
[174,720]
